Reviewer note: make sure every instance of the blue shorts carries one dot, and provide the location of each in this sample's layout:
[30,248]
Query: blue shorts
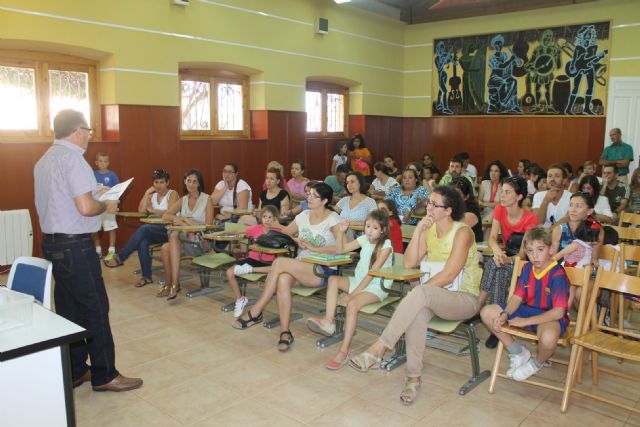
[526,311]
[326,272]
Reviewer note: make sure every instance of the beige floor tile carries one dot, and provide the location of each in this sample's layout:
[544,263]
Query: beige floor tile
[159,374]
[193,400]
[91,405]
[135,414]
[359,412]
[250,376]
[582,405]
[249,412]
[304,397]
[473,411]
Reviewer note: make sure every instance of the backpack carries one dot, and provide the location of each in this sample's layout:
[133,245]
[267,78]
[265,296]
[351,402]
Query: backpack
[277,240]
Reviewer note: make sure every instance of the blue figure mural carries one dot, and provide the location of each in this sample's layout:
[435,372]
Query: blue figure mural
[443,59]
[502,86]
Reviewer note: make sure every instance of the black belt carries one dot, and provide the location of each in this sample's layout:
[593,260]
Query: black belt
[60,237]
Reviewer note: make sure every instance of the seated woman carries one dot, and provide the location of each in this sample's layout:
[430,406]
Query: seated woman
[231,193]
[356,206]
[508,217]
[441,237]
[383,182]
[390,163]
[297,182]
[277,165]
[406,194]
[317,229]
[489,195]
[602,211]
[360,155]
[194,208]
[272,195]
[155,201]
[472,210]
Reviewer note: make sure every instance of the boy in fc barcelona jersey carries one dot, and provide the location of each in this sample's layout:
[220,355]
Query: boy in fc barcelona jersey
[539,303]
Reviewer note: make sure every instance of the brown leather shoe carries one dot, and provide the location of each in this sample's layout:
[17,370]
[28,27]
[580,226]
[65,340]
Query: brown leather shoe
[120,383]
[84,378]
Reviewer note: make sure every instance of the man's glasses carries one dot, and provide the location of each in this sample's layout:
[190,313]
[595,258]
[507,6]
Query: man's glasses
[89,130]
[311,195]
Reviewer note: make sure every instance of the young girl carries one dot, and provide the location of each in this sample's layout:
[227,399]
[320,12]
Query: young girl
[362,289]
[340,158]
[395,229]
[254,262]
[578,241]
[297,182]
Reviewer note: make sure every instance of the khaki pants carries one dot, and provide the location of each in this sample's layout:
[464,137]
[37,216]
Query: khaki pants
[414,313]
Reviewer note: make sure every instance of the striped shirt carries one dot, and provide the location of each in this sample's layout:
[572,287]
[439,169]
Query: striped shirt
[545,290]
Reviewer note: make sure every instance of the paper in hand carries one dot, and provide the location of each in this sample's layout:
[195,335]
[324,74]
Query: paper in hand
[115,192]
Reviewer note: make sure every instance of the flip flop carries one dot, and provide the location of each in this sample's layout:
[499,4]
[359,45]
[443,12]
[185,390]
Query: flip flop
[143,282]
[365,361]
[113,262]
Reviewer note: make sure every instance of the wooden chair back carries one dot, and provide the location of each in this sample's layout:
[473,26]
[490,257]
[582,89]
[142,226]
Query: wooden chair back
[631,218]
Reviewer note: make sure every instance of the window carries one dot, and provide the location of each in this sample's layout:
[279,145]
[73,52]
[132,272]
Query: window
[34,86]
[326,107]
[214,104]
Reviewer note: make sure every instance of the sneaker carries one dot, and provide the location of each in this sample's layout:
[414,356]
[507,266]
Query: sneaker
[108,257]
[241,303]
[517,360]
[523,372]
[239,270]
[320,327]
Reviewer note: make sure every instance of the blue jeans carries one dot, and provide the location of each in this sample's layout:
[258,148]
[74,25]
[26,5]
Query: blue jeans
[81,297]
[144,236]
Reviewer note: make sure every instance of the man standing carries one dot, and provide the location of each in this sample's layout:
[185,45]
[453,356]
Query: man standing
[618,154]
[65,188]
[552,205]
[616,192]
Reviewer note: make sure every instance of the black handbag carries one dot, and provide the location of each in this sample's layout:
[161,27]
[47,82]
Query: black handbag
[514,243]
[277,240]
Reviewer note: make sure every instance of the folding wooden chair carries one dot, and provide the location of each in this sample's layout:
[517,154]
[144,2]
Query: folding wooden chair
[633,219]
[595,336]
[577,277]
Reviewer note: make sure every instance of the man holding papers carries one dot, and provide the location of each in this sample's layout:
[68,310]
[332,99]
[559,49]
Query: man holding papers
[65,191]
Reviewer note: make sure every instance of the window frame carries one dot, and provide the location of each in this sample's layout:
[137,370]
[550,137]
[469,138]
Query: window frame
[42,62]
[324,89]
[214,78]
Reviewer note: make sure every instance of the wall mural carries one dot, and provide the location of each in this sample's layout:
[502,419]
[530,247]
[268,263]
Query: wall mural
[551,71]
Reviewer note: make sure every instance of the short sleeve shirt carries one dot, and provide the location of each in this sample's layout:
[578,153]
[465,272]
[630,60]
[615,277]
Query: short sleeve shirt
[406,203]
[556,211]
[545,290]
[622,152]
[60,176]
[358,212]
[296,188]
[616,195]
[378,186]
[226,201]
[317,235]
[527,221]
[332,181]
[108,179]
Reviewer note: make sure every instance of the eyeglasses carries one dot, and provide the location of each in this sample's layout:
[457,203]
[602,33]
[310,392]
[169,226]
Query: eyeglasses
[433,205]
[228,171]
[311,195]
[89,130]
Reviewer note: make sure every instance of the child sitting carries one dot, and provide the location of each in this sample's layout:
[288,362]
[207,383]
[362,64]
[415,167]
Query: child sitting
[395,229]
[361,289]
[254,262]
[539,303]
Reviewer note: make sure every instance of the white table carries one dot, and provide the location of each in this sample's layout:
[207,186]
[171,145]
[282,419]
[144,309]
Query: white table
[35,371]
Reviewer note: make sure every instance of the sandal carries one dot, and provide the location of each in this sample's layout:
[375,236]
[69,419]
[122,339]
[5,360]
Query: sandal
[410,392]
[241,323]
[284,344]
[365,361]
[143,282]
[173,292]
[334,365]
[113,262]
[164,292]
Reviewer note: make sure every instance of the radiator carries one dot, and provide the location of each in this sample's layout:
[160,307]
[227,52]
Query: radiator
[16,235]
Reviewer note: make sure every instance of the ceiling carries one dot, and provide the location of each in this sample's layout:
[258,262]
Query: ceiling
[420,11]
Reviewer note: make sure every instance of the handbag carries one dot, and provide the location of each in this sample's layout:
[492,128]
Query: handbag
[277,240]
[514,243]
[361,164]
[431,268]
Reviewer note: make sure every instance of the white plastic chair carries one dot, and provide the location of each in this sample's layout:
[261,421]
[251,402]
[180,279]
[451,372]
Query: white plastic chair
[32,276]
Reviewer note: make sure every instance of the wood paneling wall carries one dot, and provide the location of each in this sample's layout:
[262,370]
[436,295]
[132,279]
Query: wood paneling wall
[140,139]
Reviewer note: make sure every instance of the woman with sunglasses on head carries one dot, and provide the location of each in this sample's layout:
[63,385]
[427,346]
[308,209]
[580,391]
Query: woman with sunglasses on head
[508,217]
[317,229]
[602,210]
[155,201]
[231,192]
[440,237]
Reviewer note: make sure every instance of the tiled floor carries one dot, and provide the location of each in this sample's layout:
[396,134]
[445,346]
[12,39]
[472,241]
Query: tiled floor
[199,371]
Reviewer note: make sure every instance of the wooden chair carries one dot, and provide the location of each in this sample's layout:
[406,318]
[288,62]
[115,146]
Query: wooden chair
[628,234]
[628,253]
[631,218]
[595,336]
[577,277]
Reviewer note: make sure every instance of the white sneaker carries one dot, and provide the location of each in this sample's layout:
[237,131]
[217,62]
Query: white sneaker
[241,303]
[517,360]
[239,270]
[523,372]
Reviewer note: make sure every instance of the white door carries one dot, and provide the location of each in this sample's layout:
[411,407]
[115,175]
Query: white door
[623,111]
